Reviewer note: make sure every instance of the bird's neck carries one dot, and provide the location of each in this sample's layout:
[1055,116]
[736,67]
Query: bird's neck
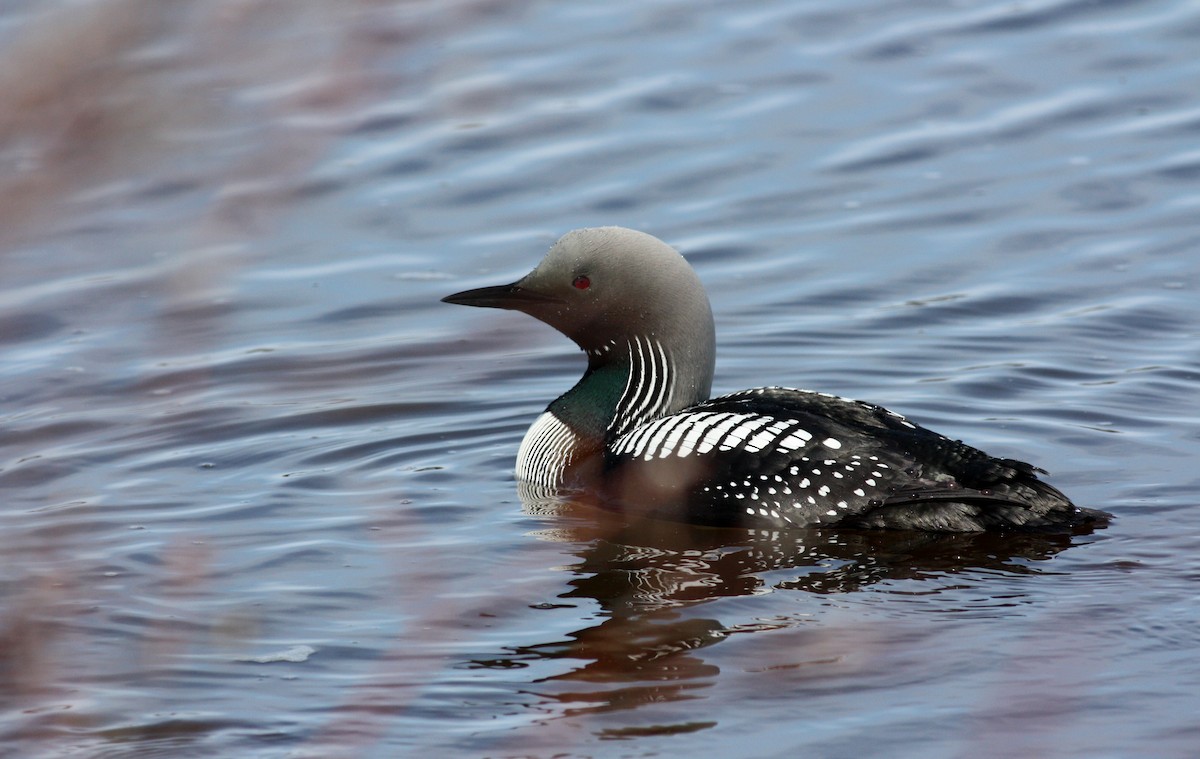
[629,383]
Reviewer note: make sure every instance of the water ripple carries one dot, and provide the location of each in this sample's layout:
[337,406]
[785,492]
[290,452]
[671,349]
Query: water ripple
[253,466]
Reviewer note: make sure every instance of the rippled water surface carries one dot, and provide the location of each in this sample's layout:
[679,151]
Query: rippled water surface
[256,479]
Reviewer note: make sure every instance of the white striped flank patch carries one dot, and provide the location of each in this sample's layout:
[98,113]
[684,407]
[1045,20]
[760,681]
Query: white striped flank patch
[715,434]
[795,439]
[657,439]
[701,423]
[767,436]
[737,436]
[667,435]
[699,432]
[546,451]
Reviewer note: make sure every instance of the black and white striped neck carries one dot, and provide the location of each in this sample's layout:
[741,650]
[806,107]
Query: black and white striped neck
[629,381]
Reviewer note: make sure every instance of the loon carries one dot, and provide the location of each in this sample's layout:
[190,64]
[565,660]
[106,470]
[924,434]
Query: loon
[640,431]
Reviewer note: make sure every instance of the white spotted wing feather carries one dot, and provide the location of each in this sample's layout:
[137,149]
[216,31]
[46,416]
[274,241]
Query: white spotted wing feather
[768,455]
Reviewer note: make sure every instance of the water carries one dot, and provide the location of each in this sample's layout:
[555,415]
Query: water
[256,478]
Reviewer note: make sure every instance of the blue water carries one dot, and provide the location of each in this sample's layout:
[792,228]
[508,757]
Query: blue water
[256,478]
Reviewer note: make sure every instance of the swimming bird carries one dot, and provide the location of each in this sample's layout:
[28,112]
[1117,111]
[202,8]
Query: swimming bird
[640,431]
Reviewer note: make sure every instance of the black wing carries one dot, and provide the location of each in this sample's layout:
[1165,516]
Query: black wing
[776,457]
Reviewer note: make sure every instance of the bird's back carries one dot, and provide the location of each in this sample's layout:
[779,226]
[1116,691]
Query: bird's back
[778,457]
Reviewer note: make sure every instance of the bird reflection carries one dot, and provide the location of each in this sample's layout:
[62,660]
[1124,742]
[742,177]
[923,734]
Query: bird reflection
[638,563]
[646,576]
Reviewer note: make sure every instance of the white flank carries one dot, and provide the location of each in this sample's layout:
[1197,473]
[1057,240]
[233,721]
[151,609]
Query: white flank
[545,452]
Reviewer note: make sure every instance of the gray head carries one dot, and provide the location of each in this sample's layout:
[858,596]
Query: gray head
[606,287]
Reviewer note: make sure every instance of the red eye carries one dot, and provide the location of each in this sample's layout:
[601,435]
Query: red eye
[582,282]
